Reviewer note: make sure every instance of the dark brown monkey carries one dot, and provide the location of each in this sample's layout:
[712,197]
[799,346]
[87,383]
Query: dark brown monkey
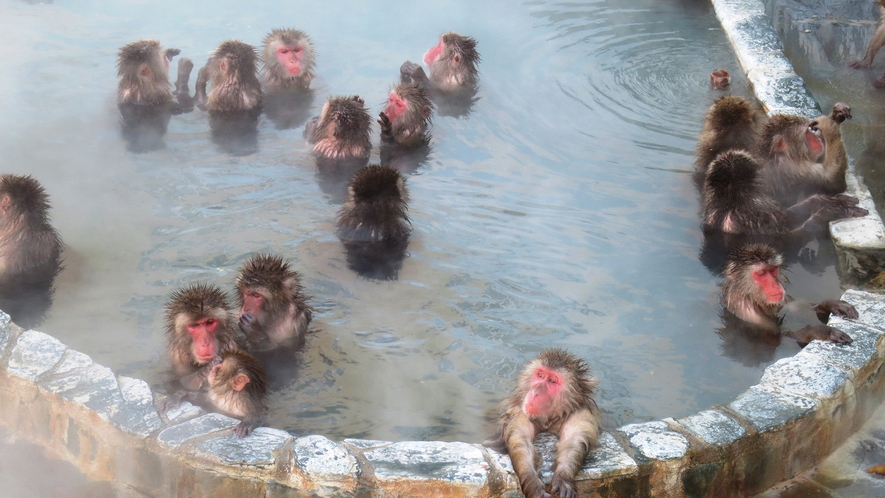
[731,123]
[237,387]
[232,72]
[143,68]
[273,309]
[452,63]
[288,60]
[803,157]
[555,395]
[876,43]
[30,250]
[341,131]
[199,327]
[405,119]
[373,223]
[752,292]
[736,201]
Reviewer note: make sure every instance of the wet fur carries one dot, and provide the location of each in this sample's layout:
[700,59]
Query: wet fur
[740,294]
[731,123]
[236,90]
[273,74]
[448,76]
[342,130]
[249,403]
[376,207]
[135,88]
[411,128]
[28,241]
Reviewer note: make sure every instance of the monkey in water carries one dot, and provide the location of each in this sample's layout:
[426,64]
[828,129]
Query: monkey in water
[341,131]
[273,312]
[199,327]
[453,80]
[232,73]
[554,394]
[288,61]
[406,117]
[236,386]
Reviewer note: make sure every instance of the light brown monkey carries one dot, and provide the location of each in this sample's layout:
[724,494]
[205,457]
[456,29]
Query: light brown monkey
[288,60]
[554,394]
[238,388]
[876,43]
[199,327]
[232,72]
[732,122]
[752,292]
[273,309]
[406,117]
[803,157]
[143,68]
[341,131]
[452,63]
[735,200]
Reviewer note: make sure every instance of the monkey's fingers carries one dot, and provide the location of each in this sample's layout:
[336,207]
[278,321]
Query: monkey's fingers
[857,212]
[170,53]
[847,200]
[357,98]
[837,308]
[244,429]
[858,64]
[813,126]
[841,112]
[839,337]
[562,488]
[383,120]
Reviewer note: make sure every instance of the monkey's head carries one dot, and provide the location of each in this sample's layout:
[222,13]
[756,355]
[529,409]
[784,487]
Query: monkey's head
[143,58]
[22,196]
[289,53]
[793,138]
[752,279]
[236,60]
[408,102]
[237,370]
[453,60]
[732,177]
[194,316]
[266,283]
[557,383]
[731,112]
[343,128]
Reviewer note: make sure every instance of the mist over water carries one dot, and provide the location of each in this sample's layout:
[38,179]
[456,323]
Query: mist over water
[559,212]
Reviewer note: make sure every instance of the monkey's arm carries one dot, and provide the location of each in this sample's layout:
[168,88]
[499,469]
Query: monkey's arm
[836,307]
[200,92]
[386,128]
[248,425]
[814,213]
[820,332]
[876,43]
[182,92]
[577,435]
[519,434]
[410,72]
[835,158]
[171,53]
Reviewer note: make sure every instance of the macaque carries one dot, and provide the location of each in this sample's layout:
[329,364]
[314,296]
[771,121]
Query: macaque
[452,63]
[736,201]
[876,43]
[30,249]
[273,309]
[731,123]
[199,327]
[752,292]
[237,387]
[374,224]
[405,119]
[288,60]
[232,72]
[720,79]
[555,395]
[341,131]
[803,157]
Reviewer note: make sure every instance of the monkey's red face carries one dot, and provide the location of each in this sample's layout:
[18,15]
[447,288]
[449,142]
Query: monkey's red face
[546,386]
[396,106]
[814,143]
[252,302]
[290,57]
[204,343]
[434,53]
[766,278]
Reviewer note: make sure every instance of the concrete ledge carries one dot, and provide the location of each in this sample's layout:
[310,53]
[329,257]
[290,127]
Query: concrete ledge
[799,412]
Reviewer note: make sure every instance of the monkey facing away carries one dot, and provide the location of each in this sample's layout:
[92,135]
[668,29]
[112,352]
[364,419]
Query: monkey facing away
[236,386]
[273,311]
[752,292]
[373,223]
[288,61]
[732,122]
[341,131]
[876,43]
[30,250]
[554,394]
[199,327]
[232,74]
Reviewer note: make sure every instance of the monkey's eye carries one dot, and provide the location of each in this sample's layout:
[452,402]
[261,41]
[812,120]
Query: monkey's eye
[540,375]
[210,322]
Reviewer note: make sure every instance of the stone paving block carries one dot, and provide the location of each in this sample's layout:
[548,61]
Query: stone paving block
[460,463]
[870,307]
[806,376]
[95,388]
[367,443]
[5,333]
[655,440]
[783,92]
[137,414]
[714,427]
[183,412]
[35,353]
[607,459]
[177,435]
[756,36]
[850,358]
[257,449]
[322,460]
[766,409]
[72,361]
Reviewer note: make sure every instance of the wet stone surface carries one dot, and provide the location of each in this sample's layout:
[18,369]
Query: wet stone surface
[179,434]
[655,440]
[35,353]
[714,427]
[256,450]
[870,307]
[137,415]
[850,358]
[322,459]
[767,409]
[608,459]
[804,375]
[455,462]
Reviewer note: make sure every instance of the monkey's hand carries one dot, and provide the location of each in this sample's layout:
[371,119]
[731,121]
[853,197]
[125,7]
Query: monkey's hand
[837,308]
[248,323]
[170,53]
[562,488]
[820,332]
[195,381]
[246,427]
[357,98]
[841,112]
[411,72]
[386,127]
[862,63]
[310,127]
[173,401]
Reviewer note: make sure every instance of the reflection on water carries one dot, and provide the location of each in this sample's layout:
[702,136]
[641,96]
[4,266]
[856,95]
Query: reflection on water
[559,211]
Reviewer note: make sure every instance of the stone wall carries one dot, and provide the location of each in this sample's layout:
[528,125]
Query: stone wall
[802,409]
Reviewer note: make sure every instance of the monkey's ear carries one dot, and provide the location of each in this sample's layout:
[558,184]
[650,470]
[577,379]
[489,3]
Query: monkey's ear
[222,64]
[289,283]
[144,70]
[779,144]
[5,203]
[457,59]
[240,381]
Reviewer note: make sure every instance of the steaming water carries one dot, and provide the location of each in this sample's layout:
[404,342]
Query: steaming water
[560,212]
